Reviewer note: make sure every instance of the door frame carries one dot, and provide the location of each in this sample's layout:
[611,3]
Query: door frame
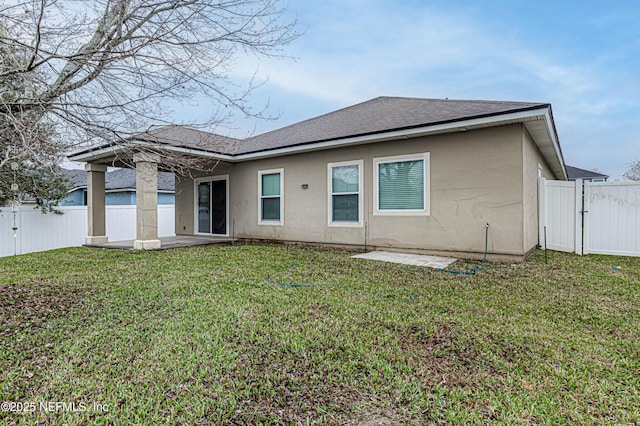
[199,180]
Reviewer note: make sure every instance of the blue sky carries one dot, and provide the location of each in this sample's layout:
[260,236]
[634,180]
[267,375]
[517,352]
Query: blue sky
[582,57]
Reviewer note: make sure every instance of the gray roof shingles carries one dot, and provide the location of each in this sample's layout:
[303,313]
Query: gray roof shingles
[382,114]
[378,115]
[577,173]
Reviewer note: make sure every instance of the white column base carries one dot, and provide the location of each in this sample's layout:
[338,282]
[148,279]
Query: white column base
[146,244]
[92,240]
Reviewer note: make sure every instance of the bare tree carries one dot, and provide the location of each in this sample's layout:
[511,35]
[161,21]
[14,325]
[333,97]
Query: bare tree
[73,73]
[633,173]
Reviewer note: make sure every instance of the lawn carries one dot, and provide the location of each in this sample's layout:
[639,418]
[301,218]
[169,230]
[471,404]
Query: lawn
[208,335]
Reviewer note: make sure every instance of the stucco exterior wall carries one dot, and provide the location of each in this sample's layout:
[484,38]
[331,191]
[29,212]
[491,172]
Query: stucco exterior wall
[476,177]
[184,205]
[532,160]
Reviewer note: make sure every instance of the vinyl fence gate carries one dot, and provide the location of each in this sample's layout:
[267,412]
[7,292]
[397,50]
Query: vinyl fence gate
[590,217]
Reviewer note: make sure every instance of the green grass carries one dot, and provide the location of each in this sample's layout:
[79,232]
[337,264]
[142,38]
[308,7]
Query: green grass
[197,336]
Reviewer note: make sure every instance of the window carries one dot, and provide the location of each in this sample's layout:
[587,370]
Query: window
[271,203]
[401,185]
[345,185]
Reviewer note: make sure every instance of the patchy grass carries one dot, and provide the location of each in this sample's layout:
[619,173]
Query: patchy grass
[199,336]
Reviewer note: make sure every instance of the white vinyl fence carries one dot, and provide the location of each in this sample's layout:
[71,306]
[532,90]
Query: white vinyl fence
[39,232]
[612,218]
[560,220]
[594,217]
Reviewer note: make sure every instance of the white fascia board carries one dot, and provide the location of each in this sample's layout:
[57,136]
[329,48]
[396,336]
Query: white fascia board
[545,138]
[75,188]
[94,155]
[554,141]
[111,150]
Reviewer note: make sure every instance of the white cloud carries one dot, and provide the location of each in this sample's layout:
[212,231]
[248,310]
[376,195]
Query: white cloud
[353,51]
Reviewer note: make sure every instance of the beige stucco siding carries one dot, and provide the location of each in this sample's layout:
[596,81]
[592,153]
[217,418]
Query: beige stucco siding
[531,160]
[184,194]
[476,177]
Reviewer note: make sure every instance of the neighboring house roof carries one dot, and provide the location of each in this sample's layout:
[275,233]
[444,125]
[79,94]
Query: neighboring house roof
[575,173]
[119,179]
[78,178]
[382,118]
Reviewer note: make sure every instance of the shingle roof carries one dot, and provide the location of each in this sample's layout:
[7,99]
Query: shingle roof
[186,137]
[78,178]
[120,179]
[575,173]
[382,114]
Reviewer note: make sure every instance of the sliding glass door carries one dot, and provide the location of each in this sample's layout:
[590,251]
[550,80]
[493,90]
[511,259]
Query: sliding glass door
[211,205]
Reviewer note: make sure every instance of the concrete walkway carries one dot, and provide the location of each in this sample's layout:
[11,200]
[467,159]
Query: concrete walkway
[168,242]
[408,259]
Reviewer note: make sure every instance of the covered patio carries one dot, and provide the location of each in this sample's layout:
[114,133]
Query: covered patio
[159,149]
[167,242]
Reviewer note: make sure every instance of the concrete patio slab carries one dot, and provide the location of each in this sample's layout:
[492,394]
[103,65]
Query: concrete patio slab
[408,259]
[168,242]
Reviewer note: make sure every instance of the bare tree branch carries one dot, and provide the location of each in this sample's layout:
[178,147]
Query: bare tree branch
[633,173]
[76,73]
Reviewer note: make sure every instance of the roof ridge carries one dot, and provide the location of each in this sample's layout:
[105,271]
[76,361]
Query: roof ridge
[461,100]
[378,98]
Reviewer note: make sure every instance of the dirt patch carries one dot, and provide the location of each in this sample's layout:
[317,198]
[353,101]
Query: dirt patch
[375,421]
[441,355]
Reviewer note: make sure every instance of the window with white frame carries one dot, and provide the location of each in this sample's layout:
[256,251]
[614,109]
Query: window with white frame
[345,186]
[401,185]
[271,203]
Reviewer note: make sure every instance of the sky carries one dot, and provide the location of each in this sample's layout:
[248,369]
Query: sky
[582,57]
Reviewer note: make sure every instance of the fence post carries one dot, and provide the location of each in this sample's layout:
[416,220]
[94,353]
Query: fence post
[542,212]
[585,218]
[578,218]
[18,243]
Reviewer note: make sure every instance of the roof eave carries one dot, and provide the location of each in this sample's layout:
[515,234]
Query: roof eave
[539,122]
[546,140]
[108,152]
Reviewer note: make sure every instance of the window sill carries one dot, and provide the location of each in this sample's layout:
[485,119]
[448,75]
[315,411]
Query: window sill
[401,213]
[271,222]
[345,224]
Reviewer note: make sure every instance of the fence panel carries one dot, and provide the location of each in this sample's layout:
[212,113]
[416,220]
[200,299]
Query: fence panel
[7,241]
[121,223]
[166,220]
[39,232]
[560,205]
[612,221]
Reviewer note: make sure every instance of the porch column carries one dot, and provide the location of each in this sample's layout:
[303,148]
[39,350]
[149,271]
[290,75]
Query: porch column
[146,201]
[97,229]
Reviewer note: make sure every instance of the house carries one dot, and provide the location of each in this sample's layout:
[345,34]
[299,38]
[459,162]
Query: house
[586,175]
[120,188]
[393,173]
